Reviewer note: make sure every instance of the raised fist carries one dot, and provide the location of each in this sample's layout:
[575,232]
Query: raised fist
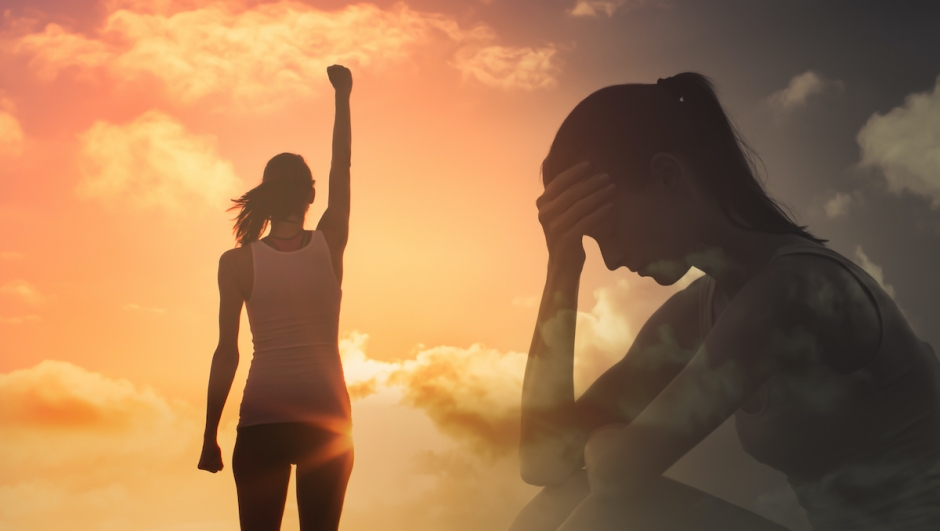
[341,78]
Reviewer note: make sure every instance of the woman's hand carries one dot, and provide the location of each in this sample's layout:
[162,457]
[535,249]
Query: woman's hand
[211,458]
[340,78]
[571,205]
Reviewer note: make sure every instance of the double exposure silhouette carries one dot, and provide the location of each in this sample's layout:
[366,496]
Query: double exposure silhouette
[295,409]
[825,378]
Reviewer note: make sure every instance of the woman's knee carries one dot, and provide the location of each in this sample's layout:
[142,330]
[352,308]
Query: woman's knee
[552,505]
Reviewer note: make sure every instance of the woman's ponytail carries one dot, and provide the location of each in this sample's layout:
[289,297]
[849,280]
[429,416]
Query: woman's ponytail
[254,211]
[283,192]
[726,158]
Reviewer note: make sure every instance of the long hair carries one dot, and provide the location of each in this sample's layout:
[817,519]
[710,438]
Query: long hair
[620,128]
[283,192]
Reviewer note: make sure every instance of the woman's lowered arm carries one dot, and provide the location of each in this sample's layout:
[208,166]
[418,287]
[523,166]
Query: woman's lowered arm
[224,361]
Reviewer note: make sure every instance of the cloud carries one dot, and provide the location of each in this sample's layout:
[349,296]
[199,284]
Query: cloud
[838,205]
[407,478]
[905,145]
[154,163]
[801,88]
[873,269]
[24,291]
[56,395]
[82,447]
[596,8]
[259,56]
[11,256]
[56,49]
[363,374]
[11,136]
[472,394]
[605,333]
[510,67]
[56,415]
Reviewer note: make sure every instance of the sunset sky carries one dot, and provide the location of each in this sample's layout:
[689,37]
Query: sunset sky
[126,126]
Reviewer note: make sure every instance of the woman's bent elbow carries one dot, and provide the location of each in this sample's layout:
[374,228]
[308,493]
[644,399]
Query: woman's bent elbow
[543,474]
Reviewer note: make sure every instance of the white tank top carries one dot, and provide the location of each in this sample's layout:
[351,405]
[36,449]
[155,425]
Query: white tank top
[293,310]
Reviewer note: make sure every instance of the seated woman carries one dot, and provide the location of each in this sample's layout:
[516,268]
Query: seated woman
[825,378]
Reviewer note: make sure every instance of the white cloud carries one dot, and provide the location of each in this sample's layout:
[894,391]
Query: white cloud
[905,145]
[154,163]
[838,205]
[11,136]
[23,291]
[596,8]
[510,67]
[873,269]
[802,87]
[258,56]
[471,394]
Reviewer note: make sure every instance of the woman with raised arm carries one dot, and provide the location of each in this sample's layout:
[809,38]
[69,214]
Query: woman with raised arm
[825,378]
[295,409]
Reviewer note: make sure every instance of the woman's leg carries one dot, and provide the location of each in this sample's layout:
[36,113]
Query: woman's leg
[667,505]
[322,475]
[261,478]
[552,505]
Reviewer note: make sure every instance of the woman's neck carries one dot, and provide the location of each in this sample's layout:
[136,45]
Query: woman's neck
[286,228]
[738,254]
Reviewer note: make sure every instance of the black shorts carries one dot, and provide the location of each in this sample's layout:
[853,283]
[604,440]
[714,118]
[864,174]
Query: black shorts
[262,466]
[295,443]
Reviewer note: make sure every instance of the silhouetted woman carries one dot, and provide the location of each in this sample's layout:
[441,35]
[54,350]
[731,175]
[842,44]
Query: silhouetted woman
[295,409]
[825,378]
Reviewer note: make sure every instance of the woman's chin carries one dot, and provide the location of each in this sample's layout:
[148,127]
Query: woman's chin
[665,272]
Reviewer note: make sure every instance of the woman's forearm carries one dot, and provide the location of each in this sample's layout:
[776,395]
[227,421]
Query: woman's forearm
[342,153]
[221,375]
[342,135]
[552,443]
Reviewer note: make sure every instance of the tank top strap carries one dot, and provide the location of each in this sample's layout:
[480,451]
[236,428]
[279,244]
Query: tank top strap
[865,280]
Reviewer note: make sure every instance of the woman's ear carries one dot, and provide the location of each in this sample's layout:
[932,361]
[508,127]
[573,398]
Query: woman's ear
[670,172]
[313,193]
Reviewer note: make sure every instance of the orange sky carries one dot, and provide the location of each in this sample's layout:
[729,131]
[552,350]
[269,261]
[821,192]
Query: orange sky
[127,125]
[123,142]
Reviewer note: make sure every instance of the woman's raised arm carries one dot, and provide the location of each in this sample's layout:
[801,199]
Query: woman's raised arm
[335,221]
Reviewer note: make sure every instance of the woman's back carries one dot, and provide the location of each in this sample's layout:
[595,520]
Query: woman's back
[859,439]
[293,310]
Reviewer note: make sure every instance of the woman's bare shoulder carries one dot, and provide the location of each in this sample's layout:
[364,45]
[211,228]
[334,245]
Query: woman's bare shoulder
[235,254]
[235,261]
